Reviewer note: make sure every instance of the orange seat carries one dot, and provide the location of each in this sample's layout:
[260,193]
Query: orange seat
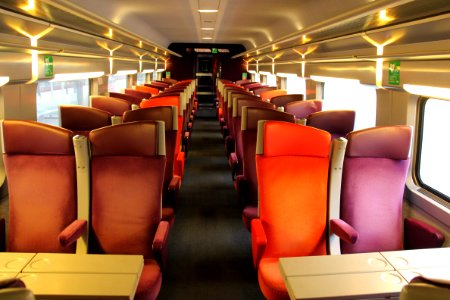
[147,89]
[172,182]
[292,166]
[268,95]
[81,119]
[171,101]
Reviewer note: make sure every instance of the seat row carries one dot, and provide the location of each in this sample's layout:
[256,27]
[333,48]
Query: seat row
[102,195]
[241,113]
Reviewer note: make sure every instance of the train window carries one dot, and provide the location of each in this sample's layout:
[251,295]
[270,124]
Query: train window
[117,83]
[295,85]
[141,78]
[271,80]
[52,94]
[350,94]
[434,146]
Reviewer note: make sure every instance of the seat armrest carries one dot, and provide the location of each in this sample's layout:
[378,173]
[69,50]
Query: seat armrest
[420,235]
[172,193]
[242,189]
[175,183]
[72,232]
[179,164]
[344,231]
[259,241]
[159,245]
[2,235]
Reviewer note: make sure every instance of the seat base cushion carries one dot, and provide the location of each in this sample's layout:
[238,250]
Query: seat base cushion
[150,281]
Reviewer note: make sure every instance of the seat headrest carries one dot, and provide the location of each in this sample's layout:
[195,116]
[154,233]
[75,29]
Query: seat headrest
[167,114]
[250,101]
[334,121]
[251,116]
[302,109]
[30,137]
[82,118]
[115,106]
[276,138]
[129,139]
[384,141]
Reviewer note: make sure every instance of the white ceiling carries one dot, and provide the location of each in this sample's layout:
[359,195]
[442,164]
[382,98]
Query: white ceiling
[247,22]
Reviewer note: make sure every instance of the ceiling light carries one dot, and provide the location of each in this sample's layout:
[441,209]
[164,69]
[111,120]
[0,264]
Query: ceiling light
[208,10]
[207,38]
[331,79]
[147,71]
[207,28]
[126,72]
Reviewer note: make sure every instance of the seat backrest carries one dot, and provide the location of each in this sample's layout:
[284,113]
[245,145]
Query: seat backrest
[127,173]
[81,119]
[249,127]
[259,90]
[242,81]
[147,89]
[268,95]
[138,94]
[248,101]
[130,98]
[40,167]
[168,115]
[170,80]
[302,109]
[373,180]
[253,86]
[336,122]
[292,165]
[115,106]
[282,100]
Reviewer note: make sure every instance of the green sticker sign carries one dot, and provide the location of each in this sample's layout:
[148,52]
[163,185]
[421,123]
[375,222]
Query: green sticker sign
[214,50]
[394,73]
[168,74]
[244,75]
[48,66]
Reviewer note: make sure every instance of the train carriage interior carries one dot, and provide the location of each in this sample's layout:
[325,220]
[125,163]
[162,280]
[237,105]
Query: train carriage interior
[219,149]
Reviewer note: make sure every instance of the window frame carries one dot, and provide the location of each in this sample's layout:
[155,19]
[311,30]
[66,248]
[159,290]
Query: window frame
[422,101]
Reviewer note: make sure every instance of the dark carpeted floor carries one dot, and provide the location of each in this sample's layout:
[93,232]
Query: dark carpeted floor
[209,247]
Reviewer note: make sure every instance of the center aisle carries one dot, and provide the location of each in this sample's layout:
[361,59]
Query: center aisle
[209,247]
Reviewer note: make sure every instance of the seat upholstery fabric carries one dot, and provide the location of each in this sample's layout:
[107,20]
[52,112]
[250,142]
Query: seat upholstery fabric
[114,106]
[282,100]
[336,122]
[302,109]
[81,119]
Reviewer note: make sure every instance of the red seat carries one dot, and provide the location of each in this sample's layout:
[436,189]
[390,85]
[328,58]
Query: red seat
[40,167]
[292,166]
[139,94]
[374,173]
[130,98]
[236,158]
[336,122]
[127,175]
[172,182]
[247,184]
[115,106]
[81,119]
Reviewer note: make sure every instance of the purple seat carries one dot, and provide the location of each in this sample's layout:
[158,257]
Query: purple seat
[336,122]
[42,183]
[115,106]
[247,184]
[282,100]
[81,119]
[172,183]
[302,109]
[127,175]
[373,181]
